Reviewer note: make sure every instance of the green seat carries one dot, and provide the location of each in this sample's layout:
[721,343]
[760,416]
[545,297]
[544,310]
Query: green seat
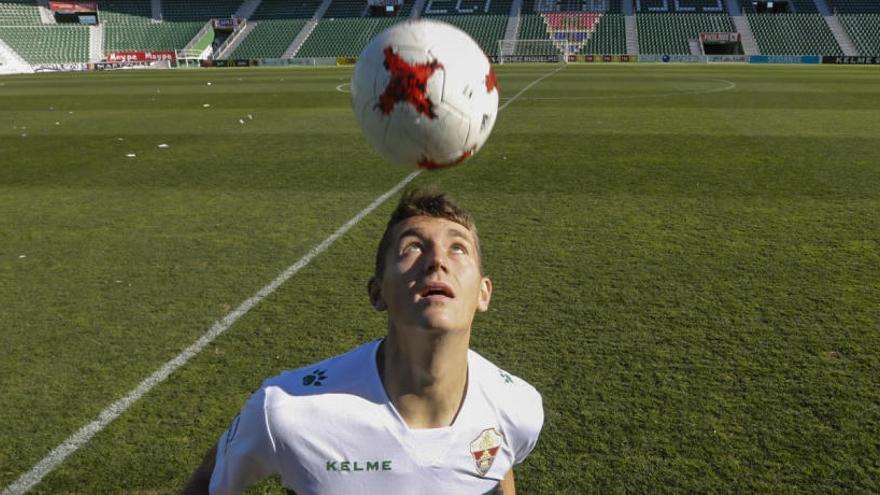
[793,34]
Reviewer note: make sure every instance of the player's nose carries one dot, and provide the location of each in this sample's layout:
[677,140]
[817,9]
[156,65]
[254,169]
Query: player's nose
[435,259]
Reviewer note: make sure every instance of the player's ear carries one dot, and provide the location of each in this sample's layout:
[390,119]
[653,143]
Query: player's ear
[374,289]
[485,294]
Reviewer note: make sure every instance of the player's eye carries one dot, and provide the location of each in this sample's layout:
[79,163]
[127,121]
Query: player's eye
[459,249]
[412,247]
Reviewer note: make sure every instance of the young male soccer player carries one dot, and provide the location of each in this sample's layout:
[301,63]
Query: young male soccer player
[414,413]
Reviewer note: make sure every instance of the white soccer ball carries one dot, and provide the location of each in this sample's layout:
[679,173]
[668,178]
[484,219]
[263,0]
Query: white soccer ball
[424,94]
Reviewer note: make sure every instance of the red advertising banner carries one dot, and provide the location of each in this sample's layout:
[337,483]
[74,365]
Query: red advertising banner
[140,56]
[73,6]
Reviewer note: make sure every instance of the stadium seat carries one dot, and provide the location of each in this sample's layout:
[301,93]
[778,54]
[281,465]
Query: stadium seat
[669,33]
[864,30]
[18,13]
[269,38]
[164,36]
[48,44]
[854,6]
[186,10]
[343,37]
[793,34]
[689,7]
[285,9]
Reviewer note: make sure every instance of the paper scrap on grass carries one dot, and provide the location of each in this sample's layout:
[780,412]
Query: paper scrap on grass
[131,155]
[163,146]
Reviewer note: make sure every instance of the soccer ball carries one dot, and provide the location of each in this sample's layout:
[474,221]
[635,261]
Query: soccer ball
[424,94]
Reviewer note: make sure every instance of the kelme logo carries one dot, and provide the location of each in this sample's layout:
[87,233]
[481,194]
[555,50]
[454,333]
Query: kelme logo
[358,466]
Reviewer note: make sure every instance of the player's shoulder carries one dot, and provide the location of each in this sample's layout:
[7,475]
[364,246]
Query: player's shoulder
[517,397]
[347,372]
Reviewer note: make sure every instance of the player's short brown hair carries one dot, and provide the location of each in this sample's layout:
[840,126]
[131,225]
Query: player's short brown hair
[430,203]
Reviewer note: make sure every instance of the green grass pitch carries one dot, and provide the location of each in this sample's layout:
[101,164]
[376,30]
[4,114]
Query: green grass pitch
[685,259]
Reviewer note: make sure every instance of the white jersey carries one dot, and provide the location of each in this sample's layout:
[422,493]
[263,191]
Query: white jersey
[330,428]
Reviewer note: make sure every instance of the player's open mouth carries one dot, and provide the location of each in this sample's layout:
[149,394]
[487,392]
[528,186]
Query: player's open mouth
[436,291]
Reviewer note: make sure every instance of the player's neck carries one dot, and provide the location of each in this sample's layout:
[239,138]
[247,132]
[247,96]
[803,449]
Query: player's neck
[426,380]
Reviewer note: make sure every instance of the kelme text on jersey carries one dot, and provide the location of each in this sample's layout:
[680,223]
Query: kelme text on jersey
[358,466]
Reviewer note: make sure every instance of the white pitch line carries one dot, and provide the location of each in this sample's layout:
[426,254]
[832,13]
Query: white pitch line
[536,81]
[73,443]
[728,86]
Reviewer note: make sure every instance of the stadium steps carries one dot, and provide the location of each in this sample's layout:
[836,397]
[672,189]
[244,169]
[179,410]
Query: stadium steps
[234,40]
[96,43]
[864,30]
[822,7]
[418,7]
[733,8]
[747,37]
[303,36]
[11,62]
[793,34]
[191,44]
[632,34]
[841,36]
[45,13]
[247,9]
[511,32]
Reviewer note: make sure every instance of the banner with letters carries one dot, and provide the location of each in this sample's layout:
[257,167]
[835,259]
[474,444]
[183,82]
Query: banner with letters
[784,59]
[843,60]
[140,57]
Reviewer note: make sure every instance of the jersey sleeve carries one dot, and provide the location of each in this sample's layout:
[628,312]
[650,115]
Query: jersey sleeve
[246,451]
[529,423]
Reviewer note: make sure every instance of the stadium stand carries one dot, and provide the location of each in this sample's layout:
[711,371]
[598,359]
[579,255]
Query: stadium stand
[793,34]
[19,13]
[269,39]
[48,44]
[804,6]
[166,36]
[484,20]
[187,10]
[486,30]
[669,33]
[344,37]
[276,24]
[864,30]
[285,9]
[346,8]
[124,12]
[691,6]
[854,6]
[598,30]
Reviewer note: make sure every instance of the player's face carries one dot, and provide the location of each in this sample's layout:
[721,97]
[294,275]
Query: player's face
[432,277]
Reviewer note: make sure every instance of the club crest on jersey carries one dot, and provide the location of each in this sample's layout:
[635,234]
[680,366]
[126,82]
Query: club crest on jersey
[484,448]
